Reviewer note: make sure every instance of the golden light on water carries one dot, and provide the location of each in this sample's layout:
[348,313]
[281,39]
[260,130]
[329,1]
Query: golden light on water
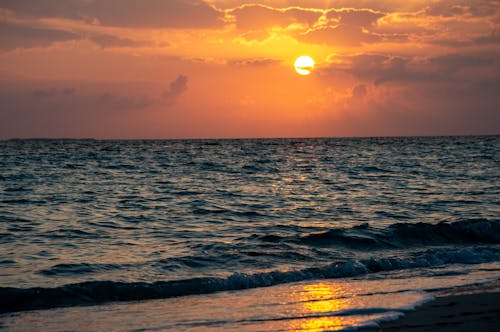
[318,301]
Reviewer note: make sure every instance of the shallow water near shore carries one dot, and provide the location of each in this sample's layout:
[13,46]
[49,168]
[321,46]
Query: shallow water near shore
[322,305]
[88,222]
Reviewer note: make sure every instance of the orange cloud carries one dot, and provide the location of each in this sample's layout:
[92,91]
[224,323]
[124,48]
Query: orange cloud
[340,35]
[255,16]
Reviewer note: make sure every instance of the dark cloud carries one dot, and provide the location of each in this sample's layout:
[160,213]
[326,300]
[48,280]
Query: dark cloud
[19,36]
[448,94]
[445,9]
[88,96]
[108,100]
[177,87]
[418,109]
[253,62]
[41,93]
[493,38]
[355,17]
[124,13]
[119,102]
[68,91]
[79,109]
[155,13]
[468,108]
[105,40]
[488,39]
[359,91]
[475,8]
[53,92]
[44,8]
[59,111]
[451,63]
[450,68]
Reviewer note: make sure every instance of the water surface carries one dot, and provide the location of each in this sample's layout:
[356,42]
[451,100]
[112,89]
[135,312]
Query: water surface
[86,221]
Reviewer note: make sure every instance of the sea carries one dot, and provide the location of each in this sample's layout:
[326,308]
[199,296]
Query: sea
[308,234]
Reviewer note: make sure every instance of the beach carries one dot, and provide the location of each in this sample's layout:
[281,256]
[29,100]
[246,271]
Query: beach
[462,309]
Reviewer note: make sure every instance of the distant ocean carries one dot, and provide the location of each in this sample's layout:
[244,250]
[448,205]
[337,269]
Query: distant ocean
[89,222]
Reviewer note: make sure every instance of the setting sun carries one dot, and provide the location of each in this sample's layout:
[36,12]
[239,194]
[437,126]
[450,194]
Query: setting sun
[304,65]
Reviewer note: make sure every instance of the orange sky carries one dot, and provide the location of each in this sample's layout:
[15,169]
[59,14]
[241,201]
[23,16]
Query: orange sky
[224,68]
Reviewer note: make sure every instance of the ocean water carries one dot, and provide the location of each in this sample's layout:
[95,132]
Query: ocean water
[193,225]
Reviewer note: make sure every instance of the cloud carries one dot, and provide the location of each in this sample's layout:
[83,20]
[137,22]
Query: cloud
[416,109]
[256,17]
[340,35]
[82,108]
[177,87]
[105,40]
[57,96]
[155,13]
[476,8]
[355,17]
[99,96]
[118,102]
[359,91]
[53,92]
[124,13]
[452,63]
[382,5]
[15,36]
[342,27]
[312,23]
[448,68]
[445,9]
[253,62]
[19,36]
[492,38]
[44,8]
[413,95]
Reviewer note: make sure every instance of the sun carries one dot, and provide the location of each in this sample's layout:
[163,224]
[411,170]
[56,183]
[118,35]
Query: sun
[304,65]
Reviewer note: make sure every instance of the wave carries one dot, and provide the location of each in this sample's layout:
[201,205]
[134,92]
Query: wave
[402,235]
[82,268]
[95,292]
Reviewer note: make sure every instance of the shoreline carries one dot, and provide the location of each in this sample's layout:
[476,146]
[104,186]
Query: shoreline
[467,308]
[304,306]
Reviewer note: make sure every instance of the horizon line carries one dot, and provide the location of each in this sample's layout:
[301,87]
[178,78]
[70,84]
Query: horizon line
[233,138]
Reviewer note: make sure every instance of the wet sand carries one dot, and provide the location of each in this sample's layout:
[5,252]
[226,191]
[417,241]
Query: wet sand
[461,309]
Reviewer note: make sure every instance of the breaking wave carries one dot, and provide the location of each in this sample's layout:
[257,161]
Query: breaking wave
[404,234]
[95,292]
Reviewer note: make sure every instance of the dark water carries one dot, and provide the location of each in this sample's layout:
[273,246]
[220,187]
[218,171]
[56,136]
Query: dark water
[85,221]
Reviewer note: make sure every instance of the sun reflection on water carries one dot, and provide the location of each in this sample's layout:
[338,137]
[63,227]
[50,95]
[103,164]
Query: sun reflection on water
[318,300]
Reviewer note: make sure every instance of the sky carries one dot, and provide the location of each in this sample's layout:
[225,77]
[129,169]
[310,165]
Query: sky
[127,69]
